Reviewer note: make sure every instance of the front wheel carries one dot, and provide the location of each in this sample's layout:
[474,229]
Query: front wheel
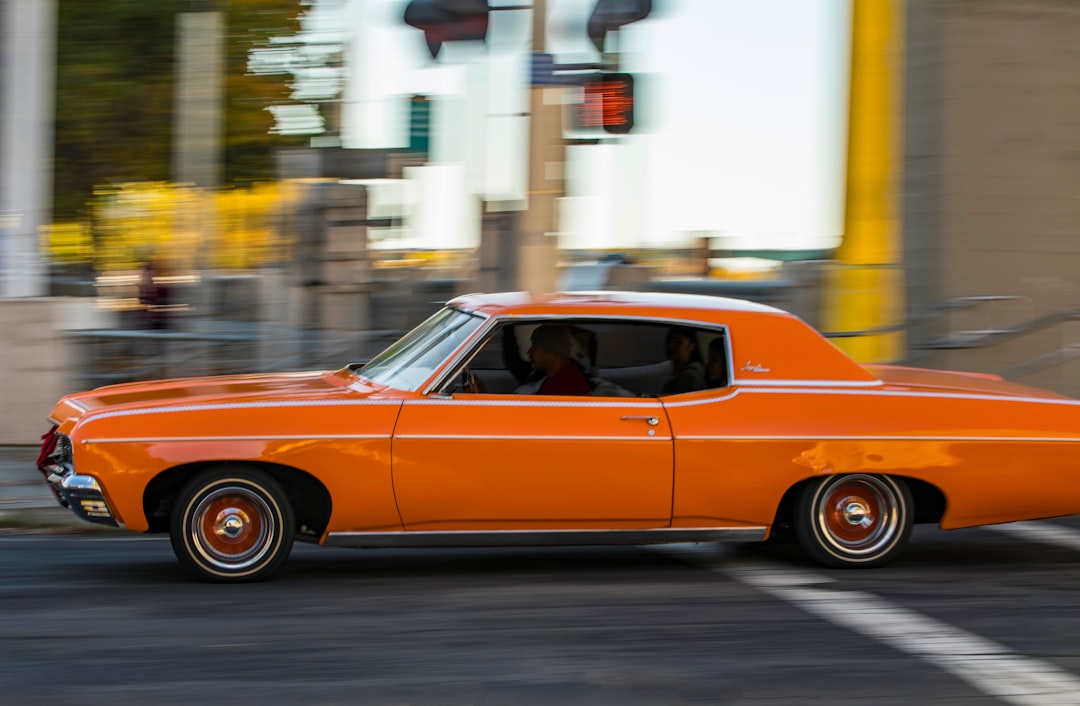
[232,524]
[852,521]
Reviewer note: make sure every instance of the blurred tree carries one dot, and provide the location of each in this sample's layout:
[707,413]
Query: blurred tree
[248,142]
[114,93]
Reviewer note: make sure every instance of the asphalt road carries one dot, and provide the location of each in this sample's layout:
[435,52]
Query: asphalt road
[968,617]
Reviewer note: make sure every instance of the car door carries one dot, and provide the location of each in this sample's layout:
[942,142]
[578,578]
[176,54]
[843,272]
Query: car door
[485,462]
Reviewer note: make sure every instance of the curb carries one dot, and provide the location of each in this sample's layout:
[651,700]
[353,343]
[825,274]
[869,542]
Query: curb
[26,503]
[40,520]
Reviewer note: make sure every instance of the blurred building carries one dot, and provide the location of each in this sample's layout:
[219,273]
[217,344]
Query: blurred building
[991,184]
[985,160]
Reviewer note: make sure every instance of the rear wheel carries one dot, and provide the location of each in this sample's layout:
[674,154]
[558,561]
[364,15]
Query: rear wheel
[857,520]
[232,524]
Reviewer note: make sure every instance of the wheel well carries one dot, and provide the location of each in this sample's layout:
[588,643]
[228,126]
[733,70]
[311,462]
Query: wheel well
[928,501]
[309,498]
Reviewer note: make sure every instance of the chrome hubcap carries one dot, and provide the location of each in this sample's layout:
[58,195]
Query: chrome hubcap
[855,513]
[232,527]
[231,523]
[858,515]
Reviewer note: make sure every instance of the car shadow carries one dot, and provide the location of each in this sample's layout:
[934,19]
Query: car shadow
[531,563]
[968,550]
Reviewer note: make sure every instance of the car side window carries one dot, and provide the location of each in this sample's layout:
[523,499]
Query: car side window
[502,364]
[697,359]
[618,358]
[716,360]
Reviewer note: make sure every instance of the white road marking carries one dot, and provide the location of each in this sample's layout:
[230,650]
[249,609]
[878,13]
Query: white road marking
[1041,532]
[986,665]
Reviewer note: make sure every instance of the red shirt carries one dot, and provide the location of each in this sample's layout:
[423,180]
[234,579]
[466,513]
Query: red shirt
[568,381]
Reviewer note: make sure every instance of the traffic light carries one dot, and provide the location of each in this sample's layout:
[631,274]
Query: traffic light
[448,21]
[610,15]
[608,103]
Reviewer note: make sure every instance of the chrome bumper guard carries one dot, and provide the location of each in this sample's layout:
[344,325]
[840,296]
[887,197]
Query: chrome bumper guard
[83,495]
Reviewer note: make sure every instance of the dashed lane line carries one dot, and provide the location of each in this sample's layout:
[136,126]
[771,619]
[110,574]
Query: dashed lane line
[1041,532]
[986,665]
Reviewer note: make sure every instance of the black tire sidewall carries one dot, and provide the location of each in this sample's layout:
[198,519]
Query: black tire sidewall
[810,534]
[251,480]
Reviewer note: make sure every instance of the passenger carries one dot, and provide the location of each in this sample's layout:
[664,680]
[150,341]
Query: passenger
[716,364]
[687,370]
[551,354]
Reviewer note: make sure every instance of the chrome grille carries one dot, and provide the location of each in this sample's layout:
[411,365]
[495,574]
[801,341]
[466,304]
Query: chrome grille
[62,457]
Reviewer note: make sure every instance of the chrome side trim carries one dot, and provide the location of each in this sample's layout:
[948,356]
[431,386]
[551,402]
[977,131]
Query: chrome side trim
[538,538]
[387,437]
[584,401]
[877,437]
[823,389]
[531,437]
[281,437]
[908,393]
[237,405]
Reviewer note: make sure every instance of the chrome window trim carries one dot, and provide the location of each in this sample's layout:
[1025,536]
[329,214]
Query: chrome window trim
[425,384]
[729,393]
[449,371]
[444,373]
[808,382]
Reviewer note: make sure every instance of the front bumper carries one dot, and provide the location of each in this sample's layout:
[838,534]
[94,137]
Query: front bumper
[83,495]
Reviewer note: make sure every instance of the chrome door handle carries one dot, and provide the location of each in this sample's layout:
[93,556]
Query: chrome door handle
[651,421]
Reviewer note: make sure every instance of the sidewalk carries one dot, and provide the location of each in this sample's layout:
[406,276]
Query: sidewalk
[26,503]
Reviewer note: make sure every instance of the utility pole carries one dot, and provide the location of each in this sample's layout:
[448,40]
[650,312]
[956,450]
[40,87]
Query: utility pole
[196,158]
[519,249]
[537,243]
[201,64]
[27,50]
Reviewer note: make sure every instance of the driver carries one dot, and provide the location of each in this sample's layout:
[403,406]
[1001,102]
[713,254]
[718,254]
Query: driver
[551,354]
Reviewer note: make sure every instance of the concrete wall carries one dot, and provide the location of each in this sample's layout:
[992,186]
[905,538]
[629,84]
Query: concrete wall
[992,192]
[37,361]
[921,205]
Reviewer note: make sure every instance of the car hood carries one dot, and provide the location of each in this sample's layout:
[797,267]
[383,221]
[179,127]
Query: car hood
[956,382]
[208,390]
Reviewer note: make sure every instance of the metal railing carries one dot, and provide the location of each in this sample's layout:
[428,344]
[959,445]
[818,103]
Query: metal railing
[109,356]
[979,337]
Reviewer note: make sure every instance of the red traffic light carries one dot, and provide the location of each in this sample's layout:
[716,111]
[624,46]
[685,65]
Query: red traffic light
[608,103]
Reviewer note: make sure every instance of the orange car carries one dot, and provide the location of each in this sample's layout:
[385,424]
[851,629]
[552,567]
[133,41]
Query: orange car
[585,418]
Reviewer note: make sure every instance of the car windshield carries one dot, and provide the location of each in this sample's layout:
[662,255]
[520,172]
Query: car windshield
[411,360]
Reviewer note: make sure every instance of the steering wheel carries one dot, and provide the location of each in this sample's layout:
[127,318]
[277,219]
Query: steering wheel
[469,382]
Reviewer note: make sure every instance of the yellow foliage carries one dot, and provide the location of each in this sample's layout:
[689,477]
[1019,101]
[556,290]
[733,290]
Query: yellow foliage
[67,242]
[180,227]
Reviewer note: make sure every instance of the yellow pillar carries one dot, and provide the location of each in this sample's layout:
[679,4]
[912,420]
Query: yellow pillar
[864,290]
